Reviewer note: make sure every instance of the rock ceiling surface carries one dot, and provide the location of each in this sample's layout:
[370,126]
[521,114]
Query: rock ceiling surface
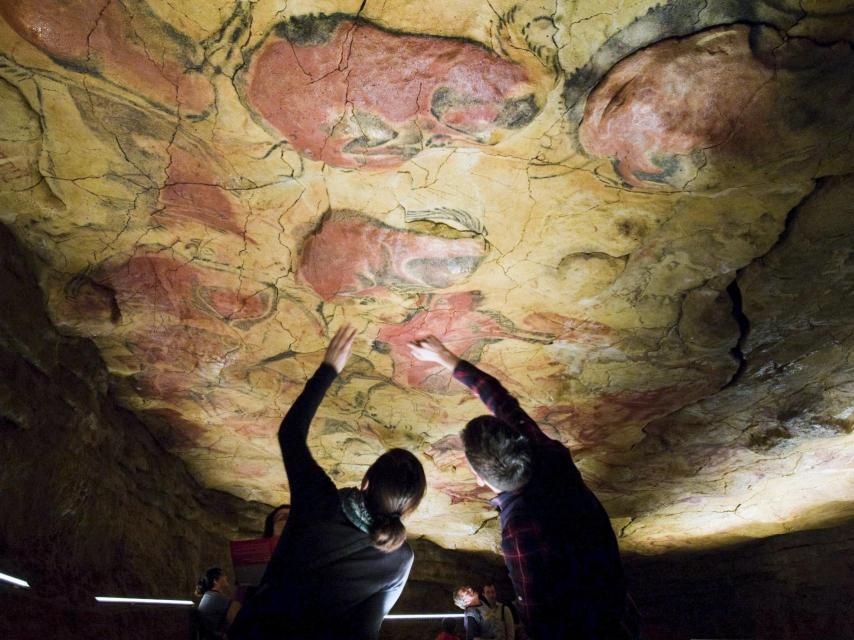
[639,214]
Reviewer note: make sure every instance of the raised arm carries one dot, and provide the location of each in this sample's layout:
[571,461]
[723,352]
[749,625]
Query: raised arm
[496,398]
[305,477]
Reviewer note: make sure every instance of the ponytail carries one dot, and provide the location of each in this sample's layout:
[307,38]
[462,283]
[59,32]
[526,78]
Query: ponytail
[387,532]
[393,485]
[206,582]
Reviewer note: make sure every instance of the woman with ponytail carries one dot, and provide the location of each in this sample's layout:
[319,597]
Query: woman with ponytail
[216,610]
[342,560]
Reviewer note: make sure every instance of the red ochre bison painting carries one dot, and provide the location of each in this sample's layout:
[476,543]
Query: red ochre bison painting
[150,282]
[454,319]
[730,93]
[350,94]
[353,255]
[106,39]
[194,193]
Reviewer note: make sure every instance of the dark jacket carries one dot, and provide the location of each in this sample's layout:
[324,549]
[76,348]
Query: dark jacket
[326,580]
[556,538]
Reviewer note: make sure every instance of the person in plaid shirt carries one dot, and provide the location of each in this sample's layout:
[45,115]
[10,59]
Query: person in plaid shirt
[556,537]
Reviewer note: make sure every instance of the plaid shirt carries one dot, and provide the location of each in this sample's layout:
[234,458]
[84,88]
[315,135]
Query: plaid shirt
[556,538]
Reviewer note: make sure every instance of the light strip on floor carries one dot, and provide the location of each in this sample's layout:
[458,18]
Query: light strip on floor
[413,616]
[13,580]
[183,603]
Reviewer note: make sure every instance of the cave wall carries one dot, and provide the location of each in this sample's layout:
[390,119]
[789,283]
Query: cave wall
[794,585]
[568,193]
[639,214]
[91,503]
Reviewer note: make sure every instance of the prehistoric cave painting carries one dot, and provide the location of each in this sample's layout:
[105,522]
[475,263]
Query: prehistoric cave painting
[669,101]
[92,305]
[451,217]
[353,255]
[194,192]
[558,327]
[668,111]
[454,319]
[464,491]
[151,282]
[447,452]
[181,348]
[348,93]
[254,426]
[592,421]
[120,41]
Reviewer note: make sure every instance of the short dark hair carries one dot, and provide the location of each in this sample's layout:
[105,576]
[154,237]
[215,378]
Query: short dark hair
[497,452]
[449,625]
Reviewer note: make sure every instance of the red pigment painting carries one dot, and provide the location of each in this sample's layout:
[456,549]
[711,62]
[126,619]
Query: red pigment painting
[559,327]
[447,452]
[353,95]
[352,255]
[98,36]
[464,491]
[451,318]
[159,283]
[193,192]
[593,421]
[673,98]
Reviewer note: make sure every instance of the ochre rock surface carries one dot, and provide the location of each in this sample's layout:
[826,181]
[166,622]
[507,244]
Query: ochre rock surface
[637,215]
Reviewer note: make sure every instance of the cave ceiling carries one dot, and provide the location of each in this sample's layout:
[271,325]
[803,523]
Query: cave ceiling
[638,214]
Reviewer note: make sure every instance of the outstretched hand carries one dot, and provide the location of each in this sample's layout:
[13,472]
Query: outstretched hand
[431,349]
[339,348]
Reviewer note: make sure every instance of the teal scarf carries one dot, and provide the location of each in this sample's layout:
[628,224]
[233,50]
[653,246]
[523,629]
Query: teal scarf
[353,505]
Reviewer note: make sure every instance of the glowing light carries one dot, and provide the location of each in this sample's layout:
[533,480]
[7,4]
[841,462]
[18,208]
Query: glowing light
[13,580]
[413,616]
[182,603]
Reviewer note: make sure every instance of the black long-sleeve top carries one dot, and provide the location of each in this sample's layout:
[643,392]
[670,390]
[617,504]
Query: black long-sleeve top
[303,593]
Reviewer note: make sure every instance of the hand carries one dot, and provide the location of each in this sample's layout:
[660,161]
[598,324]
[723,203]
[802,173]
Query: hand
[430,349]
[338,350]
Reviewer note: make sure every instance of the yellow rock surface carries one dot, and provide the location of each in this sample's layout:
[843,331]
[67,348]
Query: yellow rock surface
[627,211]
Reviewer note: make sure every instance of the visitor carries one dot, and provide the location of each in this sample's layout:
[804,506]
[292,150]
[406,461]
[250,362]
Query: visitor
[275,521]
[342,560]
[478,622]
[449,630]
[500,613]
[556,537]
[216,610]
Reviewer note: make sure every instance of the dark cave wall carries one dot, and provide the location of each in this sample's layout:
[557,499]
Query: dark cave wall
[791,586]
[91,504]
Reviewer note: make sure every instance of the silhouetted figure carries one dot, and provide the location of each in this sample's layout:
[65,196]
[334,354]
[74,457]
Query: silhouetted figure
[477,622]
[500,613]
[216,610]
[342,560]
[449,630]
[275,521]
[556,537]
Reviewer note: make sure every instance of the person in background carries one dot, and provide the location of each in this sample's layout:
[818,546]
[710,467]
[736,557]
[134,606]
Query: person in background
[275,521]
[500,613]
[556,537]
[343,559]
[449,630]
[216,609]
[478,622]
